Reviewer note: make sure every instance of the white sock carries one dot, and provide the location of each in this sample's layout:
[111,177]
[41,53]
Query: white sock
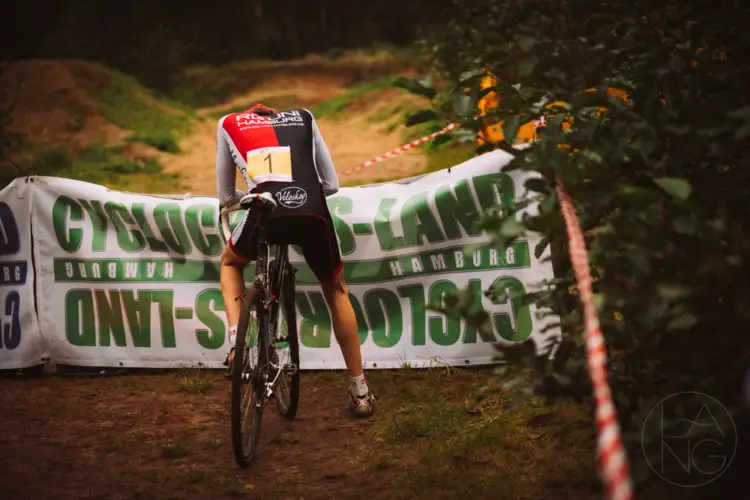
[358,386]
[232,335]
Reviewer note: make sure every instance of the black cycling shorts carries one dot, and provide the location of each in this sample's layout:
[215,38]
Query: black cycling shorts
[314,233]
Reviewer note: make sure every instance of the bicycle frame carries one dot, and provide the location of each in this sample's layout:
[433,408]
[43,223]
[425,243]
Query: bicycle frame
[268,282]
[270,295]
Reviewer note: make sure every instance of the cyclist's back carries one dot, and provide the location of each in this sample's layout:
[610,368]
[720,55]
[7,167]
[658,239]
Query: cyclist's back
[281,152]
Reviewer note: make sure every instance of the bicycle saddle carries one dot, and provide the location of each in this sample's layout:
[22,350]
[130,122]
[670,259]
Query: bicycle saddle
[265,200]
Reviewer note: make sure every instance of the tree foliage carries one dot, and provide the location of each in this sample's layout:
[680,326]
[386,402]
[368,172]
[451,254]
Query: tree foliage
[9,141]
[152,40]
[661,182]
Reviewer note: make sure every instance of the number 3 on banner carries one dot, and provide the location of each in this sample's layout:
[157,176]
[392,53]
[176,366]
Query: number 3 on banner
[274,161]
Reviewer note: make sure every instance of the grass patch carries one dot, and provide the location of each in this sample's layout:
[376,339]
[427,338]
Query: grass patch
[111,445]
[386,114]
[193,477]
[448,157]
[124,102]
[435,442]
[443,152]
[196,382]
[173,451]
[165,141]
[284,439]
[105,165]
[343,100]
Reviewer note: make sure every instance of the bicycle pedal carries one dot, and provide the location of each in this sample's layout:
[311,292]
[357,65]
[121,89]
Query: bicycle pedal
[290,369]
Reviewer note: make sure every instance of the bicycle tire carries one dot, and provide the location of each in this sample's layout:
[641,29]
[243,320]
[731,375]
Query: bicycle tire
[244,453]
[288,408]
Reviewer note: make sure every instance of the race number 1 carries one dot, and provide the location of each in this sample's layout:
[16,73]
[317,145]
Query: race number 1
[271,161]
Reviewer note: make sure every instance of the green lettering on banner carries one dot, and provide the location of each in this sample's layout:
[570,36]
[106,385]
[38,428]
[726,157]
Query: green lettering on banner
[315,328]
[415,294]
[80,321]
[430,263]
[154,243]
[128,240]
[444,330]
[494,189]
[111,326]
[383,228]
[165,299]
[206,304]
[168,219]
[521,312]
[235,218]
[198,217]
[417,221]
[362,328]
[435,262]
[69,239]
[137,270]
[138,313]
[386,318]
[457,209]
[98,223]
[342,205]
[476,307]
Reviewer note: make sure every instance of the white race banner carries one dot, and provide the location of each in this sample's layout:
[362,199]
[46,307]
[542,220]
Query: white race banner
[21,343]
[128,280]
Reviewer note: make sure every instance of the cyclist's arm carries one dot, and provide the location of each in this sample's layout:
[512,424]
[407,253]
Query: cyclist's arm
[226,170]
[324,163]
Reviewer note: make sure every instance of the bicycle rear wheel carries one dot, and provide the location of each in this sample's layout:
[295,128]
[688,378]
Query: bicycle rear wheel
[287,348]
[247,381]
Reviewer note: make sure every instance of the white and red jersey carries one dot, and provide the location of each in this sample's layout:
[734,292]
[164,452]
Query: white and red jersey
[282,147]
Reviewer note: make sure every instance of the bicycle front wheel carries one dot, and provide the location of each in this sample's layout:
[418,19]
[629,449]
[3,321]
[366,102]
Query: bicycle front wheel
[248,384]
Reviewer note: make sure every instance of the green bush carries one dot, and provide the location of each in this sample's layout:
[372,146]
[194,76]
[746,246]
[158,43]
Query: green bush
[661,184]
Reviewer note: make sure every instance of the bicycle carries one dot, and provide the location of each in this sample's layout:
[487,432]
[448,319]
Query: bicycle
[258,330]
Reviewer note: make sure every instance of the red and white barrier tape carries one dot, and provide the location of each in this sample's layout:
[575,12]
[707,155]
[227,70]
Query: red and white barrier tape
[614,468]
[400,150]
[612,459]
[406,147]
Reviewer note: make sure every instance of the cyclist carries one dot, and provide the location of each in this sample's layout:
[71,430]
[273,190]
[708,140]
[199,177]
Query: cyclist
[283,153]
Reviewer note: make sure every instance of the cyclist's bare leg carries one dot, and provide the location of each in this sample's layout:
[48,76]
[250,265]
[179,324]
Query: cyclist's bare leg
[345,329]
[232,280]
[344,323]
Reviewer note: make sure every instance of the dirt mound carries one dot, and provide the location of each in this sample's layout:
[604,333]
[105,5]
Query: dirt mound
[51,105]
[209,86]
[73,104]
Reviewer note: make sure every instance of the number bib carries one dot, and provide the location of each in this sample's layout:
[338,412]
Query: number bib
[270,164]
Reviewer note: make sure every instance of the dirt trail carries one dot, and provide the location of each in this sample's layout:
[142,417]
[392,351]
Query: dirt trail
[352,137]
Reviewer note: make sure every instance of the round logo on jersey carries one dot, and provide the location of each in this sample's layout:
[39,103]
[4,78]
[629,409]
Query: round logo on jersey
[292,197]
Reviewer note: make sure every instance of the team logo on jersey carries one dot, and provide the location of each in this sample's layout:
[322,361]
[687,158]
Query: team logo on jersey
[292,197]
